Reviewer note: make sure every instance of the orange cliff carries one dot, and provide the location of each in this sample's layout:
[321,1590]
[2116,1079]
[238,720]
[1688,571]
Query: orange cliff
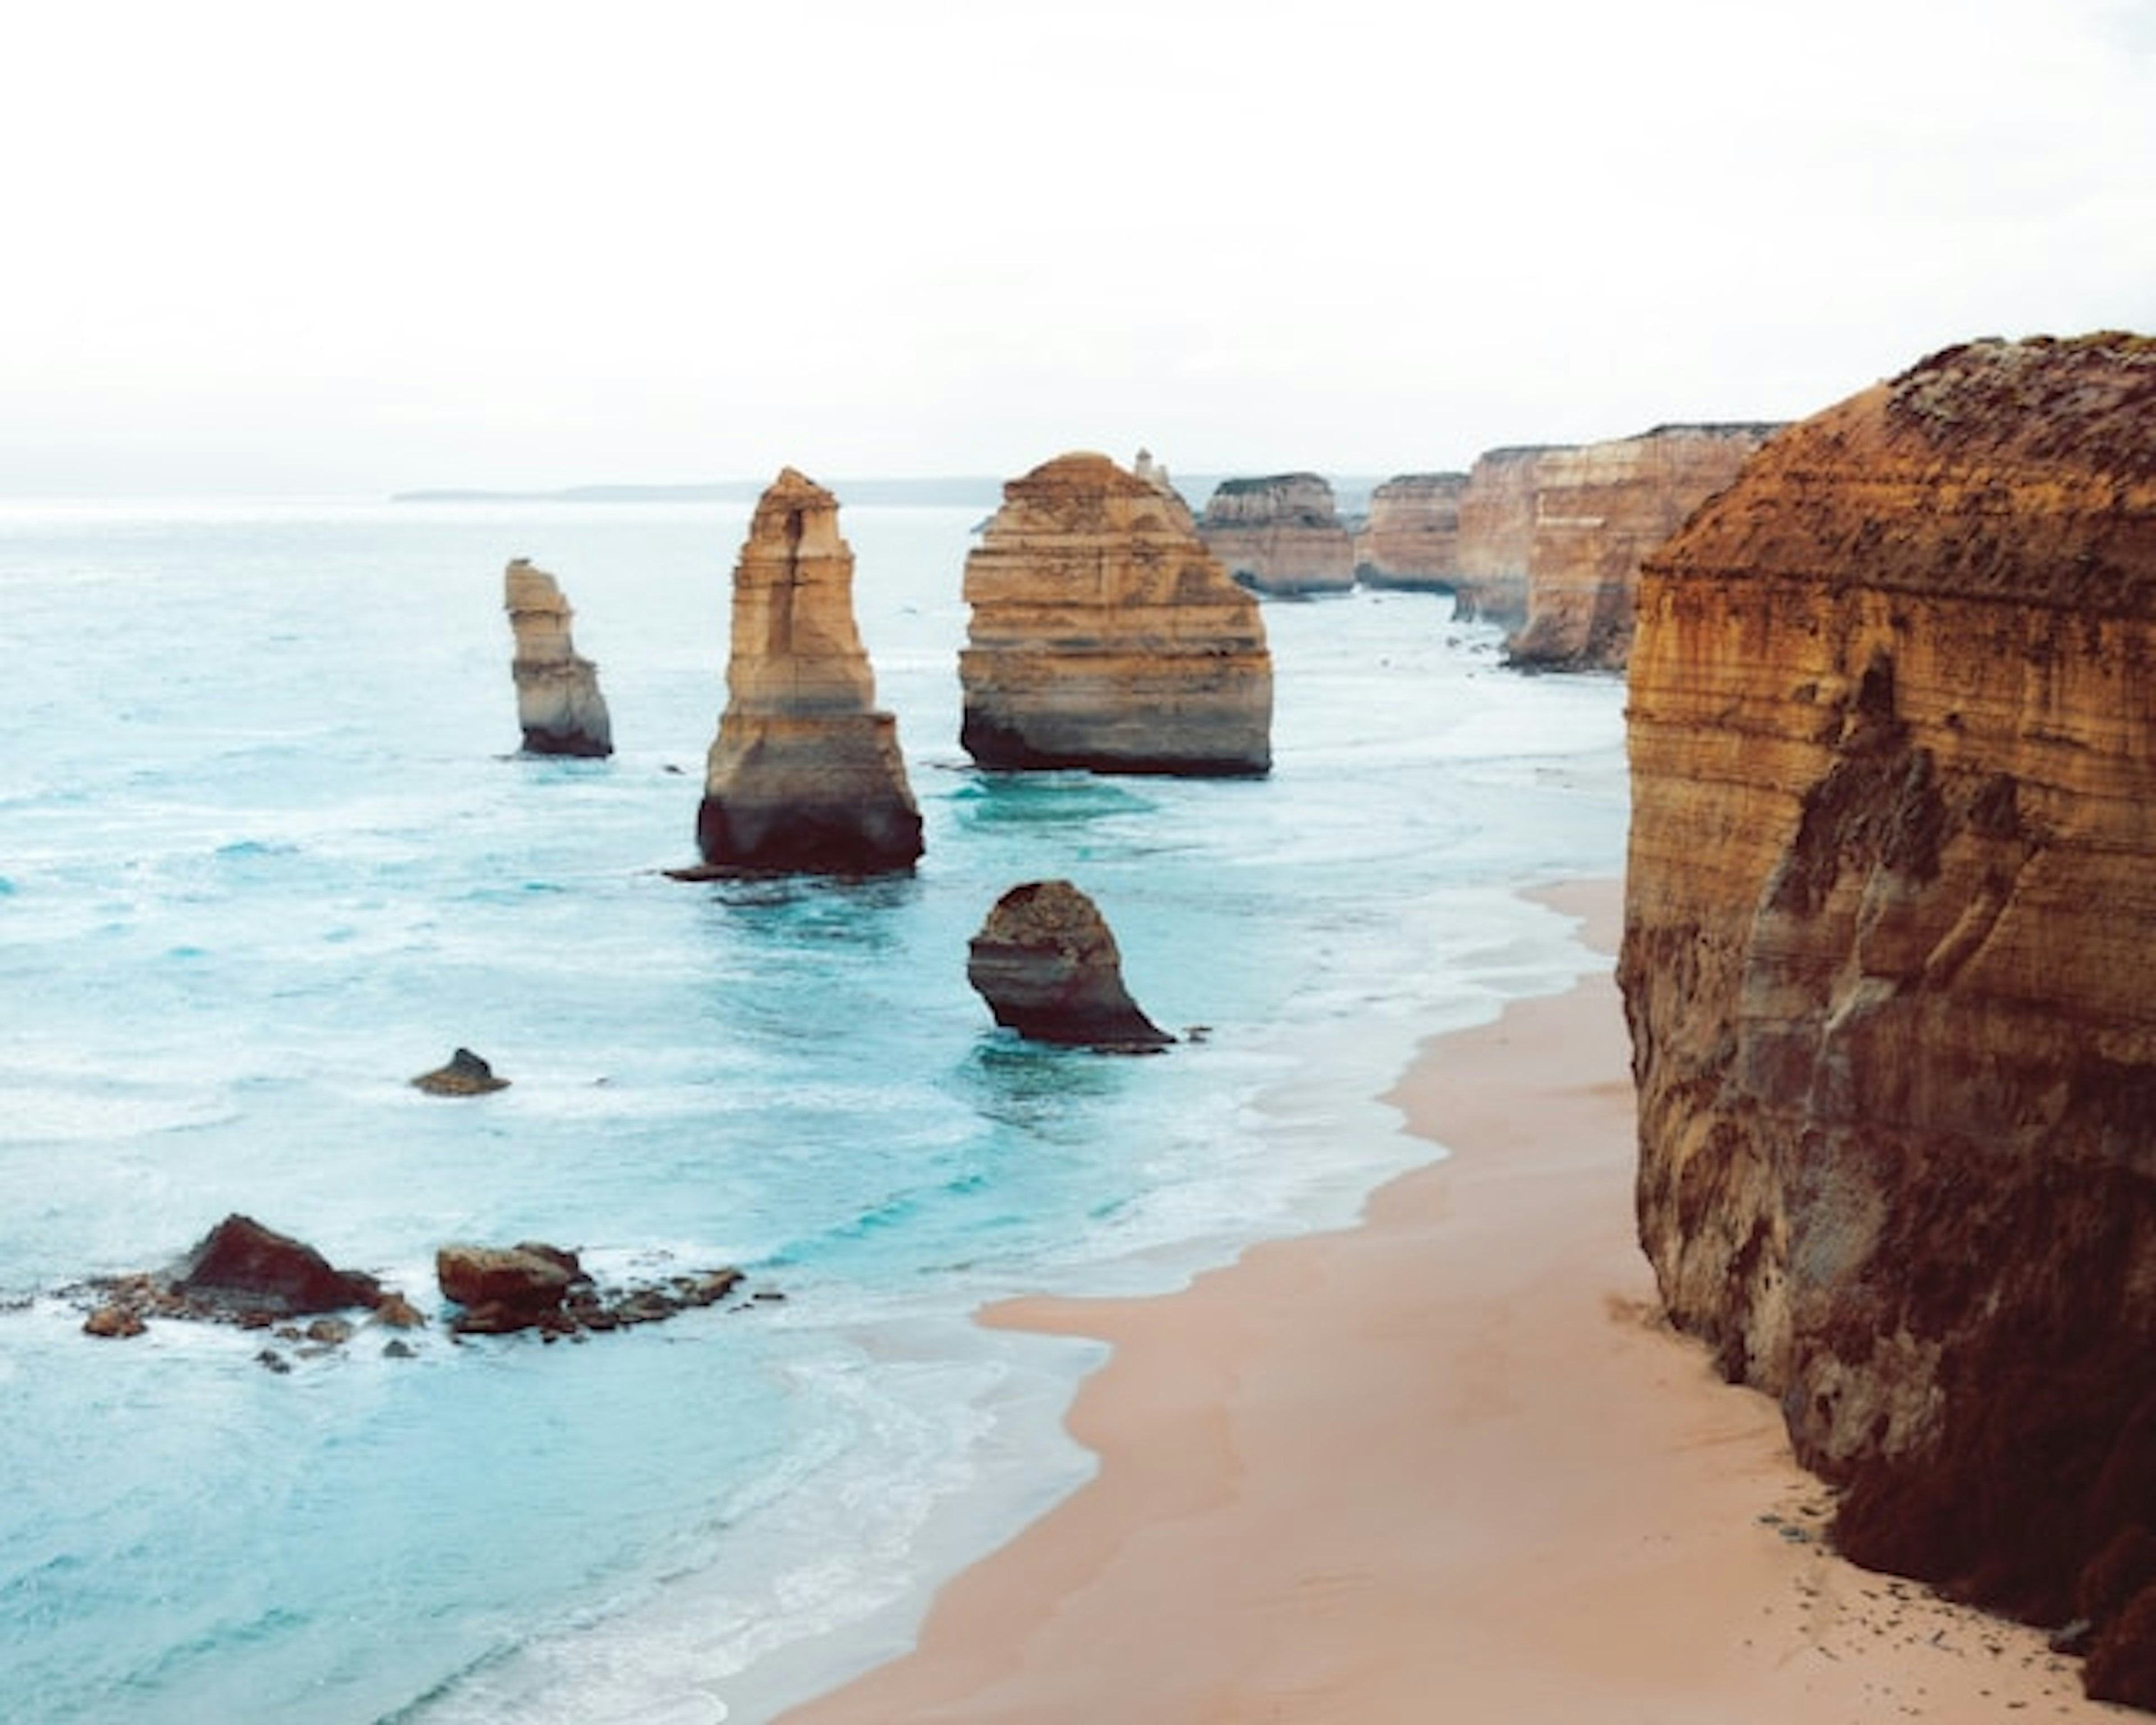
[1890,906]
[1598,510]
[1103,634]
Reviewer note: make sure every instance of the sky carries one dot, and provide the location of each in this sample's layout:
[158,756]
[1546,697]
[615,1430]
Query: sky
[262,248]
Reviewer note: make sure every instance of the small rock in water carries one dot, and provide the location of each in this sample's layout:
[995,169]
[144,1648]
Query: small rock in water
[116,1321]
[466,1074]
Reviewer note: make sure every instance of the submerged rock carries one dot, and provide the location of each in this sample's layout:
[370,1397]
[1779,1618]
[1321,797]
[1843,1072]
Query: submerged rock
[1047,967]
[805,774]
[466,1074]
[558,702]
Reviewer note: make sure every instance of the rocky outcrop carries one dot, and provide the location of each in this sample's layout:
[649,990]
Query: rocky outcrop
[533,1286]
[1411,536]
[240,1264]
[1598,510]
[805,774]
[1104,635]
[1497,532]
[558,701]
[1891,901]
[1047,967]
[1281,534]
[466,1074]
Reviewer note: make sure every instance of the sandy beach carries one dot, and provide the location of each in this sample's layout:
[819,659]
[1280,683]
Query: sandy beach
[1446,1464]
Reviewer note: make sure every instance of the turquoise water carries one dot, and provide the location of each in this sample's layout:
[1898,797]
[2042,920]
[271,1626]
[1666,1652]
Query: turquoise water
[269,853]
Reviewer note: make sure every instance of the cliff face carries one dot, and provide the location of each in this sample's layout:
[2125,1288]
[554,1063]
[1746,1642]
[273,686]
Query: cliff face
[1497,532]
[1411,538]
[1890,918]
[558,703]
[1598,510]
[1279,535]
[805,774]
[1103,635]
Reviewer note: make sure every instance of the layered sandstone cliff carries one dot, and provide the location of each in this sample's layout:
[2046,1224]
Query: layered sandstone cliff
[1598,510]
[1890,965]
[805,774]
[1497,532]
[558,703]
[1103,635]
[1411,536]
[1282,534]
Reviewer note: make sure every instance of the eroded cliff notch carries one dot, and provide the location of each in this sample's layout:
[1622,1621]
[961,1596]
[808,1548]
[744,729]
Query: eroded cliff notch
[805,774]
[1891,910]
[1103,634]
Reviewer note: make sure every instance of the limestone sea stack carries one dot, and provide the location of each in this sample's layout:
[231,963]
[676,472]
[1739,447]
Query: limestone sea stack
[1105,636]
[1891,910]
[1047,967]
[805,774]
[1411,536]
[1280,534]
[1599,509]
[558,702]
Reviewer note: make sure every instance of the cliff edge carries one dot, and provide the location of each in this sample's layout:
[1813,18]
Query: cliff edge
[1891,914]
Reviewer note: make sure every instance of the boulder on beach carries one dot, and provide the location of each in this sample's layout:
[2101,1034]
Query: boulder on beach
[1047,967]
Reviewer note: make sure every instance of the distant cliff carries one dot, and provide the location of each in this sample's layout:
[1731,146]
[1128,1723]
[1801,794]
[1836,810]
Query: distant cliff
[1411,536]
[1598,510]
[1890,966]
[1103,634]
[1496,531]
[1281,534]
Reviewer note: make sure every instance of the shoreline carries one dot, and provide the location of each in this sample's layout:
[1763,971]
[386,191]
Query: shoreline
[1451,1451]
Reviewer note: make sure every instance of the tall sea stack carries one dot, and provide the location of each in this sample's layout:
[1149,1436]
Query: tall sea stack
[558,703]
[805,774]
[1891,914]
[1104,635]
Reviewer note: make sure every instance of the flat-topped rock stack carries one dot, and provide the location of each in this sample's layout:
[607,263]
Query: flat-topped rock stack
[1279,534]
[805,774]
[558,703]
[1411,536]
[1105,636]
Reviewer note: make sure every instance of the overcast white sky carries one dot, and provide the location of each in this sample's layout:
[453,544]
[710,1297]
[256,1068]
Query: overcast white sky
[275,247]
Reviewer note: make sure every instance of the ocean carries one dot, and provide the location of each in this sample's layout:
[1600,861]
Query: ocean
[269,851]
